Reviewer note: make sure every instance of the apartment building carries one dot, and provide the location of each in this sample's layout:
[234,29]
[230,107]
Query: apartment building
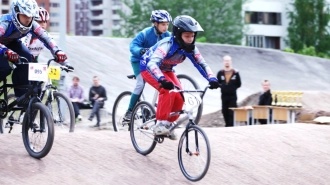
[99,16]
[5,6]
[266,23]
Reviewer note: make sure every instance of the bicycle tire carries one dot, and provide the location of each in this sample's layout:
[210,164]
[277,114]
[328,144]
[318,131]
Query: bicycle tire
[1,126]
[117,117]
[192,132]
[14,118]
[200,107]
[44,129]
[58,117]
[140,111]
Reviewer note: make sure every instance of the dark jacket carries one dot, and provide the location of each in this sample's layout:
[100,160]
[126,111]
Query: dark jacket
[100,90]
[265,98]
[229,89]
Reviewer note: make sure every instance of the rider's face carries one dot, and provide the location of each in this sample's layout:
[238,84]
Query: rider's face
[188,37]
[162,26]
[24,20]
[43,24]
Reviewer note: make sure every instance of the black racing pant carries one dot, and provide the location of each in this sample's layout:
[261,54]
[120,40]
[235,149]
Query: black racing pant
[227,102]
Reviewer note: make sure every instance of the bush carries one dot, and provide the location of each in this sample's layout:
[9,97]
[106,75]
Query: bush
[310,51]
[289,50]
[201,39]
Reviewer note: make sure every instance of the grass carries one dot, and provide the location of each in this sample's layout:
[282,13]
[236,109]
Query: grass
[9,81]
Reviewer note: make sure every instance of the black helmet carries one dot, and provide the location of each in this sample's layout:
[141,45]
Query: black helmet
[185,23]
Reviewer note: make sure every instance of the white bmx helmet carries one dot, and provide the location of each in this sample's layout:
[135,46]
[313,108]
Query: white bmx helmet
[27,7]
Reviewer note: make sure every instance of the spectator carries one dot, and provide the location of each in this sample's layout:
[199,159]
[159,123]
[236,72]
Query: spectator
[230,81]
[76,94]
[97,96]
[265,98]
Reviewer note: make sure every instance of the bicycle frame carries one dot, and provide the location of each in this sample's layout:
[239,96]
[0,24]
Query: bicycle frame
[189,112]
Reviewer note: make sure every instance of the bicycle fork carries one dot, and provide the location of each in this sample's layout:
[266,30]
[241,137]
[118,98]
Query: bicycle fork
[190,153]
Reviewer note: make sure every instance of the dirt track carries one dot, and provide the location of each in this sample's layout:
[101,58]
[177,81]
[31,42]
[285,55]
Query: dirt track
[262,154]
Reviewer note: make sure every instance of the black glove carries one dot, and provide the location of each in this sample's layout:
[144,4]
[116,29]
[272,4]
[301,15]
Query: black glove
[214,84]
[69,67]
[144,50]
[167,85]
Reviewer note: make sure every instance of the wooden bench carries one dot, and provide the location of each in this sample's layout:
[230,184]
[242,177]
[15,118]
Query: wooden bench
[242,114]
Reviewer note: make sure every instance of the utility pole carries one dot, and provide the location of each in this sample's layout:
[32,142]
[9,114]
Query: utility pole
[62,39]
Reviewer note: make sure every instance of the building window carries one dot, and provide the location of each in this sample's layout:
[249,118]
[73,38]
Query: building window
[255,41]
[42,5]
[54,14]
[5,2]
[114,11]
[272,42]
[55,5]
[260,41]
[4,11]
[268,18]
[53,24]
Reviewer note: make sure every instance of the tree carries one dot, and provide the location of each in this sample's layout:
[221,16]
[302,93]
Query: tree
[308,26]
[221,20]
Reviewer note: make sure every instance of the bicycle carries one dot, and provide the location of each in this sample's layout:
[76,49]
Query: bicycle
[193,141]
[63,114]
[38,135]
[123,99]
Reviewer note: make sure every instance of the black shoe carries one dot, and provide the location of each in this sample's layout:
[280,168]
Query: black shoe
[90,118]
[96,125]
[128,115]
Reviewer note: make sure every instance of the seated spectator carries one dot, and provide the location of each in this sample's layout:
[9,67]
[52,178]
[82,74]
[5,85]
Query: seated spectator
[76,94]
[97,96]
[265,98]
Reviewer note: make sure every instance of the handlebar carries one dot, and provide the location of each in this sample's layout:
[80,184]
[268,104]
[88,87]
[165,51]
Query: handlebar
[63,68]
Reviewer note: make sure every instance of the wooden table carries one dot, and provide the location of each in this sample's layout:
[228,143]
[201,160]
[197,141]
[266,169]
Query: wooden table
[287,114]
[262,112]
[242,115]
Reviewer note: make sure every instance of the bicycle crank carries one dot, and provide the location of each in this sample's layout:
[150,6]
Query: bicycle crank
[3,108]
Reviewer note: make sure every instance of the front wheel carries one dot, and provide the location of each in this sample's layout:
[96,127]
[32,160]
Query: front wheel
[141,128]
[194,153]
[38,131]
[62,111]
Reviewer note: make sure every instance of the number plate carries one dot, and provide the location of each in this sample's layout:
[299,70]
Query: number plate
[38,72]
[54,72]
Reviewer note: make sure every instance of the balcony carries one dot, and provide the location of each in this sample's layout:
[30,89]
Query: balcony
[97,7]
[97,27]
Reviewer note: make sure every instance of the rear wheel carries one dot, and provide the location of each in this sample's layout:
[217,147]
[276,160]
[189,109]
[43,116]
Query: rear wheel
[119,109]
[188,83]
[38,131]
[62,111]
[14,117]
[141,128]
[194,153]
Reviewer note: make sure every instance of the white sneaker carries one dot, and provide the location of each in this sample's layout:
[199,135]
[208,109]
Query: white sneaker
[79,117]
[160,128]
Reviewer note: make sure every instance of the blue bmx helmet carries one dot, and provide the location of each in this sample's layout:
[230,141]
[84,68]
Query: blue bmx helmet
[160,16]
[185,23]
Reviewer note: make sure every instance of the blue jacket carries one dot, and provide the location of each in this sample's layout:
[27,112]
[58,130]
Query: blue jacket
[9,33]
[145,39]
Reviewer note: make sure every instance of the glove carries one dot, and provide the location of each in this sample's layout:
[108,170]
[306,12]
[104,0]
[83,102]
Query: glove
[11,56]
[144,50]
[60,56]
[214,84]
[69,67]
[167,85]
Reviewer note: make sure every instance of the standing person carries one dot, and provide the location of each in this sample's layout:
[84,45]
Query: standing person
[76,95]
[97,96]
[230,81]
[265,98]
[157,69]
[140,44]
[15,25]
